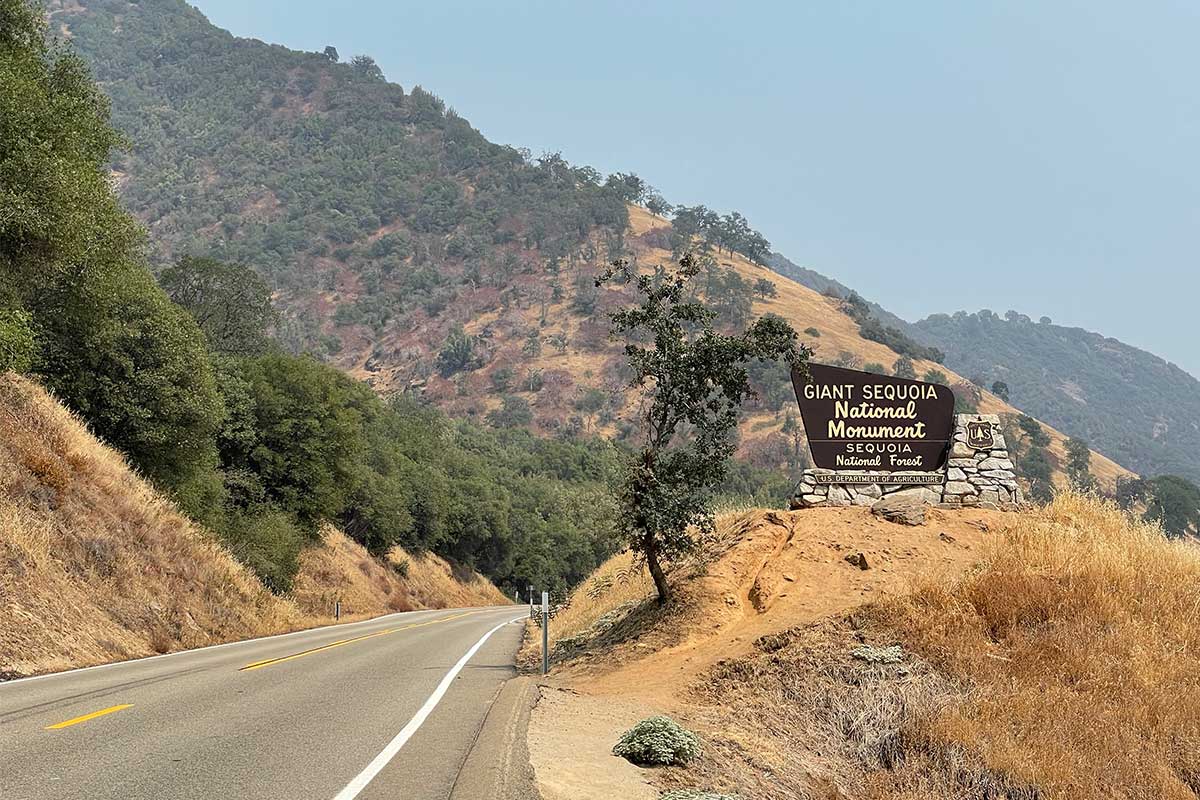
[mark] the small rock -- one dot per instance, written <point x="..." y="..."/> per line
<point x="859" y="560"/>
<point x="945" y="537"/>
<point x="904" y="510"/>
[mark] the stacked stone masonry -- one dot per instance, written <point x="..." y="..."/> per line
<point x="971" y="477"/>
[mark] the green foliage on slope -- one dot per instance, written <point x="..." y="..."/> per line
<point x="322" y="174"/>
<point x="260" y="446"/>
<point x="99" y="332"/>
<point x="1134" y="407"/>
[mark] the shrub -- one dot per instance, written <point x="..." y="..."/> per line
<point x="696" y="794"/>
<point x="16" y="340"/>
<point x="658" y="741"/>
<point x="813" y="332"/>
<point x="269" y="543"/>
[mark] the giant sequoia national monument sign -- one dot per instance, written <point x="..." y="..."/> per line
<point x="859" y="420"/>
<point x="872" y="435"/>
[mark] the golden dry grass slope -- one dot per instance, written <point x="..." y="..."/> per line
<point x="96" y="566"/>
<point x="1052" y="654"/>
<point x="574" y="352"/>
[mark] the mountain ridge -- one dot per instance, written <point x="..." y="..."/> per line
<point x="402" y="245"/>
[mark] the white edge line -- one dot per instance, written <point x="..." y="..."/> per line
<point x="380" y="761"/>
<point x="143" y="659"/>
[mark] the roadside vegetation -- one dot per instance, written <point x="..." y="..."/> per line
<point x="260" y="446"/>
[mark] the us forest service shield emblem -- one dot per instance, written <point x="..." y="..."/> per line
<point x="979" y="435"/>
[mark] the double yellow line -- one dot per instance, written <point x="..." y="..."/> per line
<point x="271" y="662"/>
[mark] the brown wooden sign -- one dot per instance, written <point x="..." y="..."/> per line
<point x="862" y="421"/>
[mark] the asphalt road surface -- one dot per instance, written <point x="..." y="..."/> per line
<point x="387" y="708"/>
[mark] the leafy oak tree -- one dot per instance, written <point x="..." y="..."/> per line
<point x="232" y="304"/>
<point x="694" y="380"/>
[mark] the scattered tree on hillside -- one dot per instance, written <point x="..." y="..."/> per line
<point x="1173" y="502"/>
<point x="1000" y="389"/>
<point x="1034" y="463"/>
<point x="514" y="412"/>
<point x="765" y="288"/>
<point x="966" y="397"/>
<point x="904" y="368"/>
<point x="365" y="65"/>
<point x="1079" y="463"/>
<point x="694" y="380"/>
<point x="847" y="360"/>
<point x="457" y="353"/>
<point x="1033" y="429"/>
<point x="331" y="53"/>
<point x="935" y="376"/>
<point x="875" y="368"/>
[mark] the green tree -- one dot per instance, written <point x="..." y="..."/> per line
<point x="308" y="438"/>
<point x="457" y="353"/>
<point x="875" y="368"/>
<point x="591" y="402"/>
<point x="108" y="342"/>
<point x="765" y="288"/>
<point x="935" y="376"/>
<point x="1033" y="431"/>
<point x="1000" y="389"/>
<point x="904" y="368"/>
<point x="1174" y="502"/>
<point x="1079" y="463"/>
<point x="514" y="412"/>
<point x="230" y="303"/>
<point x="694" y="381"/>
<point x="16" y="340"/>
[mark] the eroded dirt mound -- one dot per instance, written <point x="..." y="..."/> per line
<point x="764" y="572"/>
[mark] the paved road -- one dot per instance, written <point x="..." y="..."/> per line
<point x="367" y="710"/>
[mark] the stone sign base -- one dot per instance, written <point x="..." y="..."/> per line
<point x="973" y="476"/>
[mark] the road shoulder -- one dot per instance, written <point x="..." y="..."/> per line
<point x="498" y="765"/>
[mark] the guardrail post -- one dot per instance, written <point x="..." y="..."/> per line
<point x="545" y="632"/>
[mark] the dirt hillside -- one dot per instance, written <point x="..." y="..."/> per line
<point x="761" y="573"/>
<point x="96" y="566"/>
<point x="1049" y="654"/>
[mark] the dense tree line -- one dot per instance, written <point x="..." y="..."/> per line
<point x="730" y="233"/>
<point x="870" y="327"/>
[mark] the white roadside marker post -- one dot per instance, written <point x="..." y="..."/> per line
<point x="545" y="632"/>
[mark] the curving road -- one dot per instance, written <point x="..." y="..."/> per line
<point x="393" y="707"/>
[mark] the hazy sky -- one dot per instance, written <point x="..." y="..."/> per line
<point x="935" y="156"/>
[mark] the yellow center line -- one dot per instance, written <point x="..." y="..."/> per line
<point x="86" y="717"/>
<point x="272" y="661"/>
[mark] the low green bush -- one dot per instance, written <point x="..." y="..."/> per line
<point x="658" y="741"/>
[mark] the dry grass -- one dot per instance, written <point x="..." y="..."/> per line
<point x="342" y="570"/>
<point x="1081" y="640"/>
<point x="1066" y="666"/>
<point x="617" y="583"/>
<point x="803" y="307"/>
<point x="434" y="582"/>
<point x="96" y="566"/>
